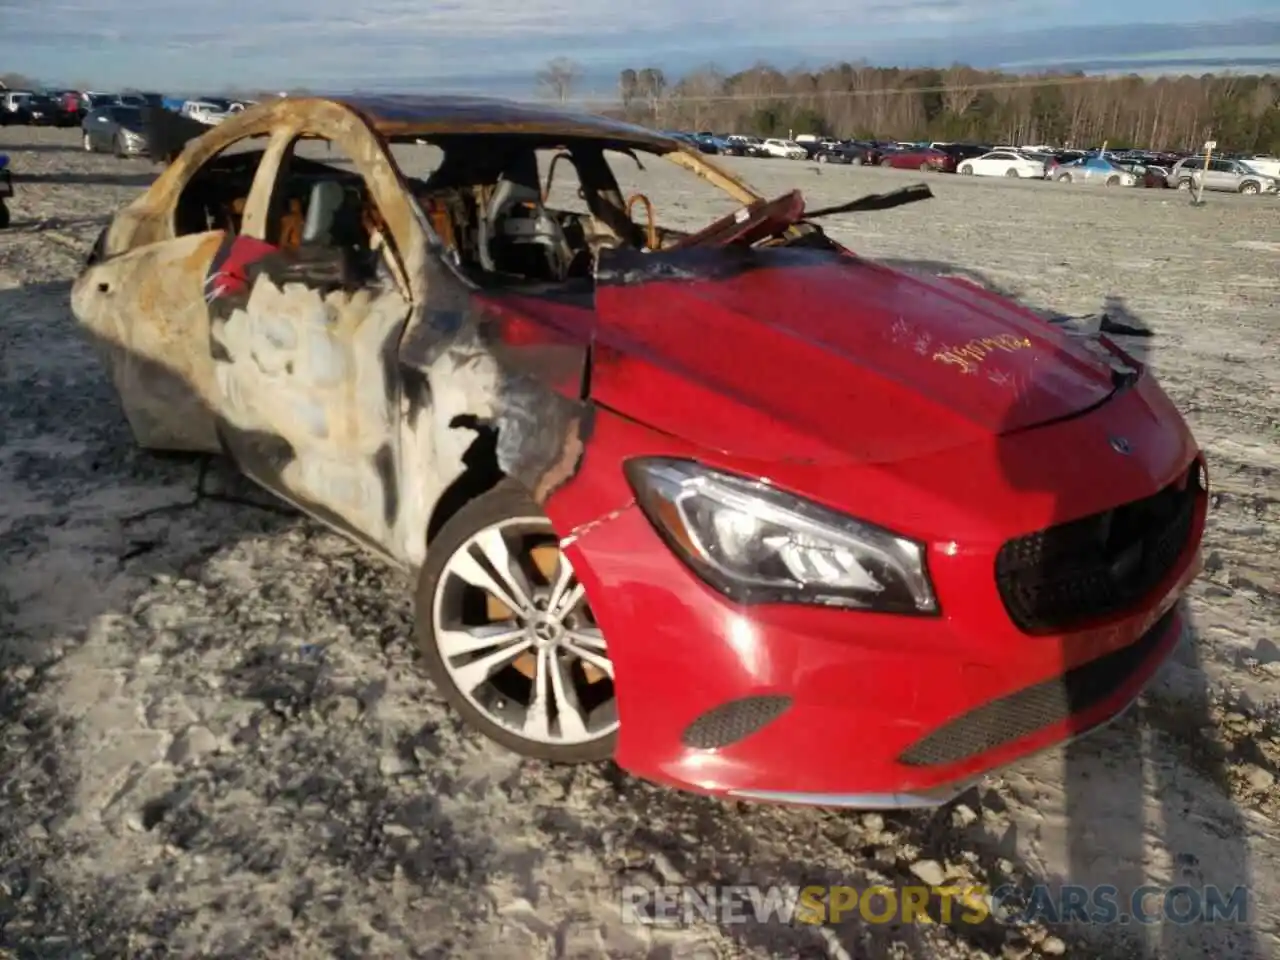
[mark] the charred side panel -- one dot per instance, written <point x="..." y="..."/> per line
<point x="302" y="362"/>
<point x="145" y="311"/>
<point x="476" y="361"/>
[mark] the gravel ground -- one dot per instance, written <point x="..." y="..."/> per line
<point x="214" y="741"/>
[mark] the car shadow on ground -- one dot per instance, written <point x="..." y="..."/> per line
<point x="693" y="838"/>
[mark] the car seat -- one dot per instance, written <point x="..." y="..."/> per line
<point x="517" y="233"/>
<point x="327" y="198"/>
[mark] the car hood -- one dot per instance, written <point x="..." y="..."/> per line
<point x="814" y="355"/>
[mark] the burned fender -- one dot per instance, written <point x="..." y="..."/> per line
<point x="511" y="366"/>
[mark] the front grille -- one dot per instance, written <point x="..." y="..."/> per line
<point x="1034" y="708"/>
<point x="1100" y="565"/>
<point x="732" y="721"/>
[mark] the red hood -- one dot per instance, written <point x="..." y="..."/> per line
<point x="801" y="354"/>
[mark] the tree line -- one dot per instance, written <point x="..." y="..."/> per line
<point x="956" y="103"/>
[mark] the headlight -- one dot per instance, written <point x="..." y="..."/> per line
<point x="757" y="544"/>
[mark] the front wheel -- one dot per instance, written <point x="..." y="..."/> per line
<point x="87" y="143"/>
<point x="1064" y="178"/>
<point x="1184" y="183"/>
<point x="886" y="163"/>
<point x="1012" y="172"/>
<point x="1112" y="182"/>
<point x="967" y="170"/>
<point x="1248" y="188"/>
<point x="119" y="150"/>
<point x="822" y="158"/>
<point x="508" y="636"/>
<point x="855" y="162"/>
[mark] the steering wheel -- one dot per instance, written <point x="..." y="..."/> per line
<point x="651" y="230"/>
<point x="748" y="225"/>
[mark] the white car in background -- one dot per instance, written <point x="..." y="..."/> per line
<point x="1269" y="166"/>
<point x="1002" y="163"/>
<point x="787" y="149"/>
<point x="210" y="112"/>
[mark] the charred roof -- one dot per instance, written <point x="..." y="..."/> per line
<point x="399" y="115"/>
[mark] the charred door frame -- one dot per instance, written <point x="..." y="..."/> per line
<point x="346" y="129"/>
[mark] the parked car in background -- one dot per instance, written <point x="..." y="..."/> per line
<point x="1149" y="175"/>
<point x="142" y="100"/>
<point x="210" y="111"/>
<point x="751" y="146"/>
<point x="787" y="149"/>
<point x="1095" y="171"/>
<point x="42" y="110"/>
<point x="116" y="129"/>
<point x="1060" y="158"/>
<point x="93" y="99"/>
<point x="66" y="108"/>
<point x="1227" y="176"/>
<point x="919" y="158"/>
<point x="1270" y="166"/>
<point x="13" y="106"/>
<point x="961" y="151"/>
<point x="850" y="152"/>
<point x="1002" y="163"/>
<point x="708" y="142"/>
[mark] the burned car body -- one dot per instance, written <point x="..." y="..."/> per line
<point x="656" y="511"/>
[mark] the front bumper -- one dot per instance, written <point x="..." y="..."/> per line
<point x="807" y="705"/>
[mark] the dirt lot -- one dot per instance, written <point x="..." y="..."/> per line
<point x="214" y="742"/>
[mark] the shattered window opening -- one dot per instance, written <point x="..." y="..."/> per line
<point x="324" y="219"/>
<point x="214" y="197"/>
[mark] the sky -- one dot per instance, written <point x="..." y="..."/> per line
<point x="499" y="45"/>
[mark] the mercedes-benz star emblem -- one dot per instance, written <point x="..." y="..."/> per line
<point x="1121" y="446"/>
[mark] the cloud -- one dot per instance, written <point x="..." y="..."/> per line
<point x="340" y="43"/>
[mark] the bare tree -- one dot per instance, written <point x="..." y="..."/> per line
<point x="628" y="87"/>
<point x="1069" y="109"/>
<point x="558" y="77"/>
<point x="960" y="91"/>
<point x="17" y="81"/>
<point x="652" y="85"/>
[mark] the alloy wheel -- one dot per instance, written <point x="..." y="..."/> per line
<point x="517" y="639"/>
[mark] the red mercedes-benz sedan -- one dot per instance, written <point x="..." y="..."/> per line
<point x="734" y="506"/>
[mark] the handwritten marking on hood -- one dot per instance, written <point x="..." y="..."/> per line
<point x="969" y="356"/>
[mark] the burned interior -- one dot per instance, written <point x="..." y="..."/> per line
<point x="357" y="349"/>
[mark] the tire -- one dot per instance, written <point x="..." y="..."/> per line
<point x="886" y="163"/>
<point x="821" y="158"/>
<point x="855" y="161"/>
<point x="926" y="168"/>
<point x="508" y="521"/>
<point x="1012" y="172"/>
<point x="1112" y="182"/>
<point x="87" y="142"/>
<point x="1249" y="187"/>
<point x="1064" y="178"/>
<point x="966" y="169"/>
<point x="118" y="147"/>
<point x="1184" y="183"/>
<point x="4" y="215"/>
